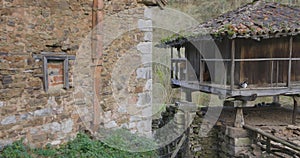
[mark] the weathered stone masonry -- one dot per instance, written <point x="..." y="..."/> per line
<point x="28" y="28"/>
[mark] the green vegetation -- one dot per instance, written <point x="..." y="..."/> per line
<point x="82" y="146"/>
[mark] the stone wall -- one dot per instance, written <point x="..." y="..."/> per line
<point x="223" y="140"/>
<point x="28" y="28"/>
<point x="127" y="71"/>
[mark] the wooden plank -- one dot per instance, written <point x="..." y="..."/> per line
<point x="290" y="62"/>
<point x="253" y="59"/>
<point x="273" y="138"/>
<point x="45" y="70"/>
<point x="232" y="64"/>
<point x="178" y="146"/>
<point x="277" y="73"/>
<point x="66" y="73"/>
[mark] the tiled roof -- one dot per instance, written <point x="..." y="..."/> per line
<point x="255" y="20"/>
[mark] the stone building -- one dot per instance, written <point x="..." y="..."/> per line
<point x="55" y="74"/>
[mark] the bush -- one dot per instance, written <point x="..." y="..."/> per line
<point x="82" y="146"/>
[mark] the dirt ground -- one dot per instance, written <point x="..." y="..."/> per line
<point x="274" y="120"/>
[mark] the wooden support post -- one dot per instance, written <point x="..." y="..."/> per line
<point x="290" y="63"/>
<point x="277" y="73"/>
<point x="201" y="69"/>
<point x="272" y="73"/>
<point x="188" y="95"/>
<point x="178" y="51"/>
<point x="232" y="64"/>
<point x="276" y="99"/>
<point x="239" y="118"/>
<point x="177" y="77"/>
<point x="171" y="68"/>
<point x="295" y="110"/>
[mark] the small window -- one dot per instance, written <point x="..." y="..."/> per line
<point x="55" y="69"/>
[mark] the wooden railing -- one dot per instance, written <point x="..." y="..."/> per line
<point x="179" y="69"/>
<point x="264" y="140"/>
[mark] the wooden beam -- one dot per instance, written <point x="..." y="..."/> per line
<point x="232" y="64"/>
<point x="272" y="137"/>
<point x="182" y="140"/>
<point x="253" y="59"/>
<point x="290" y="62"/>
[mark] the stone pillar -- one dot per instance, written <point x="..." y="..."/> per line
<point x="145" y="73"/>
<point x="236" y="141"/>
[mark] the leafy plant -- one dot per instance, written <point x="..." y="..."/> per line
<point x="82" y="146"/>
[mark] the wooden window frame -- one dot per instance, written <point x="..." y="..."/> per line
<point x="53" y="56"/>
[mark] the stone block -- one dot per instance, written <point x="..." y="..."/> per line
<point x="9" y="120"/>
<point x="56" y="142"/>
<point x="144" y="99"/>
<point x="132" y="125"/>
<point x="43" y="112"/>
<point x="2" y="104"/>
<point x="144" y="73"/>
<point x="145" y="47"/>
<point x="235" y="132"/>
<point x="240" y="142"/>
<point x="148" y="13"/>
<point x="67" y="126"/>
<point x="111" y="124"/>
<point x="145" y="25"/>
<point x="235" y="151"/>
<point x="4" y="143"/>
<point x="55" y="127"/>
<point x="135" y="118"/>
<point x="25" y="116"/>
<point x="148" y="36"/>
<point x="39" y="137"/>
<point x="6" y="80"/>
<point x="144" y="126"/>
<point x="146" y="58"/>
<point x="148" y="85"/>
<point x="147" y="112"/>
